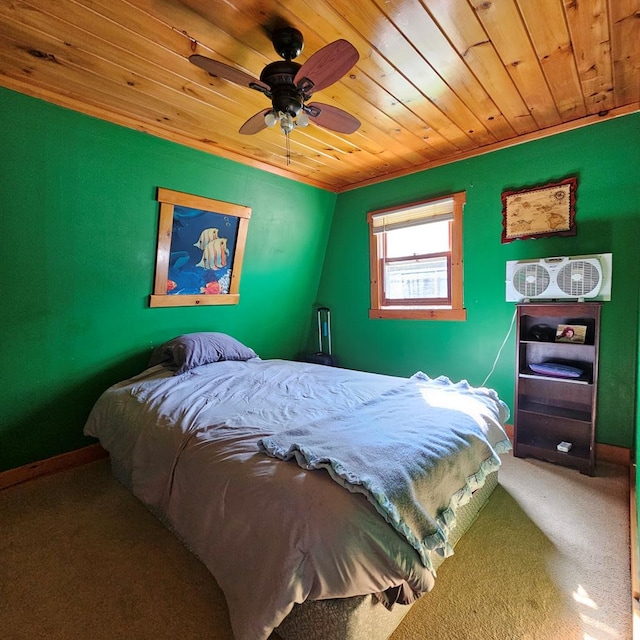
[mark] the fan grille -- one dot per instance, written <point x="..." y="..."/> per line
<point x="579" y="278"/>
<point x="531" y="280"/>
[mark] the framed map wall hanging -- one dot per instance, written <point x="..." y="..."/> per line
<point x="540" y="211"/>
<point x="200" y="250"/>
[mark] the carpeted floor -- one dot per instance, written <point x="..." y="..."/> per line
<point x="547" y="559"/>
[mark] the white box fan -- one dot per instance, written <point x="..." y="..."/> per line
<point x="560" y="278"/>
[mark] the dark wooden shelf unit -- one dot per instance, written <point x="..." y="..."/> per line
<point x="549" y="409"/>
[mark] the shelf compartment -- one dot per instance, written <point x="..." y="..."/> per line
<point x="545" y="443"/>
<point x="555" y="392"/>
<point x="550" y="431"/>
<point x="549" y="316"/>
<point x="555" y="411"/>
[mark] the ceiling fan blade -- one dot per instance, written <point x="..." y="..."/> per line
<point x="331" y="117"/>
<point x="326" y="66"/>
<point x="221" y="70"/>
<point x="255" y="123"/>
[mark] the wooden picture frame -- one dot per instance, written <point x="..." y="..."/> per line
<point x="200" y="250"/>
<point x="539" y="212"/>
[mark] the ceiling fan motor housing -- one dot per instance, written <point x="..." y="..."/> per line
<point x="285" y="96"/>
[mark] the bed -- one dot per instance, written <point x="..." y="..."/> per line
<point x="321" y="499"/>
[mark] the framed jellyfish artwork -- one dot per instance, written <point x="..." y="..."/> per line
<point x="200" y="250"/>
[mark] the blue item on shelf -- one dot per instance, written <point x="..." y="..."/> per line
<point x="557" y="370"/>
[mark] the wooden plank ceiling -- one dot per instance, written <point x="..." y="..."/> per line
<point x="437" y="80"/>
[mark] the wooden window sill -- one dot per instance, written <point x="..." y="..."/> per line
<point x="419" y="314"/>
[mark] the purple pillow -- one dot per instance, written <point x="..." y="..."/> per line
<point x="194" y="349"/>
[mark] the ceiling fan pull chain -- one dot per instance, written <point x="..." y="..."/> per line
<point x="286" y="135"/>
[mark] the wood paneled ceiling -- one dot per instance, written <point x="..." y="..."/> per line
<point x="437" y="80"/>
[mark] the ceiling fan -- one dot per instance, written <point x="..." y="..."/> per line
<point x="290" y="85"/>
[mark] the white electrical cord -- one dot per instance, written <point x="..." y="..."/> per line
<point x="495" y="362"/>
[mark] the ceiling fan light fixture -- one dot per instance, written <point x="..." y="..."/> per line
<point x="270" y="119"/>
<point x="302" y="120"/>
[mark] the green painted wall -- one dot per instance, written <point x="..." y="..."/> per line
<point x="77" y="256"/>
<point x="605" y="157"/>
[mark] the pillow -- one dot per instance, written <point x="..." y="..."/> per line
<point x="194" y="349"/>
<point x="557" y="370"/>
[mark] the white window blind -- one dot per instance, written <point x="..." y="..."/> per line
<point x="413" y="215"/>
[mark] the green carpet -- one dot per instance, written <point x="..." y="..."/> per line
<point x="548" y="558"/>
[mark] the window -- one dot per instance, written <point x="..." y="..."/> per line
<point x="416" y="260"/>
